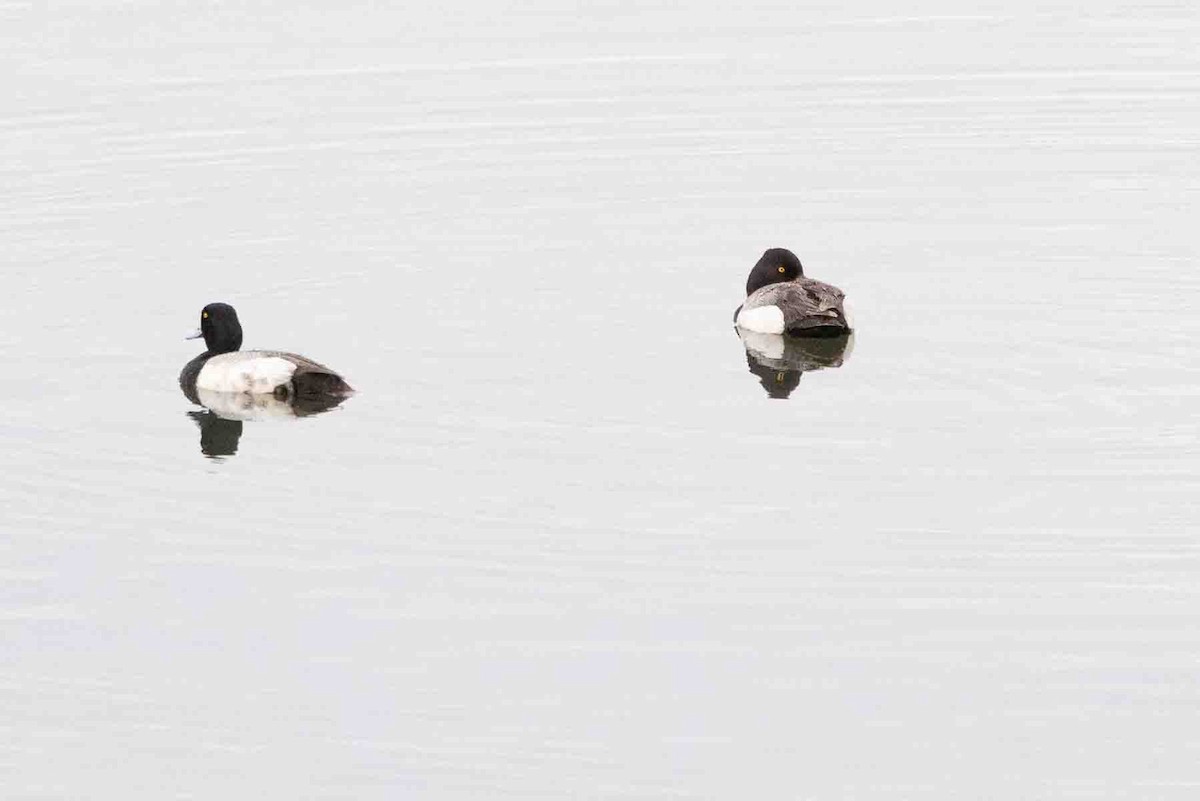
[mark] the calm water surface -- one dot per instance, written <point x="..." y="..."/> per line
<point x="564" y="543"/>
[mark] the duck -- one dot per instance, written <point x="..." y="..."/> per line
<point x="781" y="300"/>
<point x="225" y="368"/>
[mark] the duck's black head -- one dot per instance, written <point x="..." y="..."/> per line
<point x="220" y="328"/>
<point x="776" y="266"/>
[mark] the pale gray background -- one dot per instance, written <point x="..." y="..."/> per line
<point x="562" y="545"/>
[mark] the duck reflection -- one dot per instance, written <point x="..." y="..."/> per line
<point x="224" y="413"/>
<point x="780" y="360"/>
<point x="218" y="436"/>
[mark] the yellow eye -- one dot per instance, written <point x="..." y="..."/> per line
<point x="782" y="269"/>
<point x="205" y="314"/>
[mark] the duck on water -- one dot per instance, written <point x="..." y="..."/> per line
<point x="781" y="300"/>
<point x="225" y="368"/>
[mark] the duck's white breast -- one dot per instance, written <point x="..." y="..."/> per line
<point x="245" y="371"/>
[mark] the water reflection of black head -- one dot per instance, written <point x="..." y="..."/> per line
<point x="780" y="361"/>
<point x="218" y="436"/>
<point x="221" y="421"/>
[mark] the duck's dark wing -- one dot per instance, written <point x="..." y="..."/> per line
<point x="313" y="378"/>
<point x="809" y="307"/>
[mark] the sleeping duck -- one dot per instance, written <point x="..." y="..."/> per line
<point x="223" y="368"/>
<point x="780" y="300"/>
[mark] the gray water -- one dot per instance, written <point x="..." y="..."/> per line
<point x="561" y="543"/>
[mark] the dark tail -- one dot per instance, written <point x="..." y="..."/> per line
<point x="315" y="384"/>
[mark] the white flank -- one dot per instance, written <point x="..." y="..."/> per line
<point x="846" y="314"/>
<point x="763" y="319"/>
<point x="249" y="372"/>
